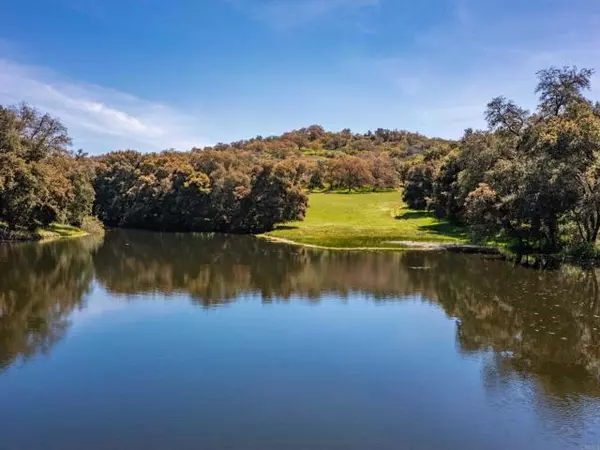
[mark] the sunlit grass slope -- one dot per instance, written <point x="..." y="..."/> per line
<point x="366" y="220"/>
<point x="53" y="231"/>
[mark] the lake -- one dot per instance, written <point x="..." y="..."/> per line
<point x="175" y="341"/>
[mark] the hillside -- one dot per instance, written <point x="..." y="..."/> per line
<point x="315" y="140"/>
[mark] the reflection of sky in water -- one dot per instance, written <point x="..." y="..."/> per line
<point x="350" y="370"/>
<point x="97" y="304"/>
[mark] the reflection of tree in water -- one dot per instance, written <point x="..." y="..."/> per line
<point x="216" y="269"/>
<point x="40" y="285"/>
<point x="543" y="323"/>
<point x="538" y="332"/>
<point x="212" y="269"/>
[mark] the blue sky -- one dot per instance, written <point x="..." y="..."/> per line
<point x="154" y="74"/>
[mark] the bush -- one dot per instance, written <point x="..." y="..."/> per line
<point x="91" y="225"/>
<point x="583" y="250"/>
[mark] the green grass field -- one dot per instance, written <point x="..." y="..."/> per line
<point x="366" y="220"/>
<point x="62" y="231"/>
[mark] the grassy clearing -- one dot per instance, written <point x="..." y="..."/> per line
<point x="366" y="220"/>
<point x="60" y="231"/>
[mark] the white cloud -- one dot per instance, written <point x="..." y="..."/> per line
<point x="285" y="14"/>
<point x="99" y="119"/>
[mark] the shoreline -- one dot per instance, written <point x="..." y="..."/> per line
<point x="41" y="236"/>
<point x="541" y="260"/>
<point x="424" y="246"/>
<point x="544" y="261"/>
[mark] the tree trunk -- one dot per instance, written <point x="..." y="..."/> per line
<point x="553" y="233"/>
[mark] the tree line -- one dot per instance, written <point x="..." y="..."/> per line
<point x="343" y="161"/>
<point x="222" y="191"/>
<point x="531" y="178"/>
<point x="42" y="181"/>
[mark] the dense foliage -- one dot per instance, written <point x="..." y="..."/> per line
<point x="315" y="140"/>
<point x="343" y="160"/>
<point x="222" y="191"/>
<point x="243" y="187"/>
<point x="532" y="178"/>
<point x="41" y="181"/>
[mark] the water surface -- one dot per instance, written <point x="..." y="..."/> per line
<point x="154" y="341"/>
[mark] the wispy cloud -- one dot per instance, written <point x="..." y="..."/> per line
<point x="99" y="119"/>
<point x="286" y="14"/>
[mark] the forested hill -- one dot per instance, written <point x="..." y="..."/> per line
<point x="315" y="140"/>
<point x="244" y="187"/>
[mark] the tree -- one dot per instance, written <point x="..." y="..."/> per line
<point x="447" y="201"/>
<point x="383" y="172"/>
<point x="318" y="174"/>
<point x="481" y="211"/>
<point x="299" y="138"/>
<point x="41" y="181"/>
<point x="418" y="186"/>
<point x="349" y="172"/>
<point x="31" y="134"/>
<point x="559" y="88"/>
<point x="275" y="197"/>
<point x="505" y="116"/>
<point x="20" y="195"/>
